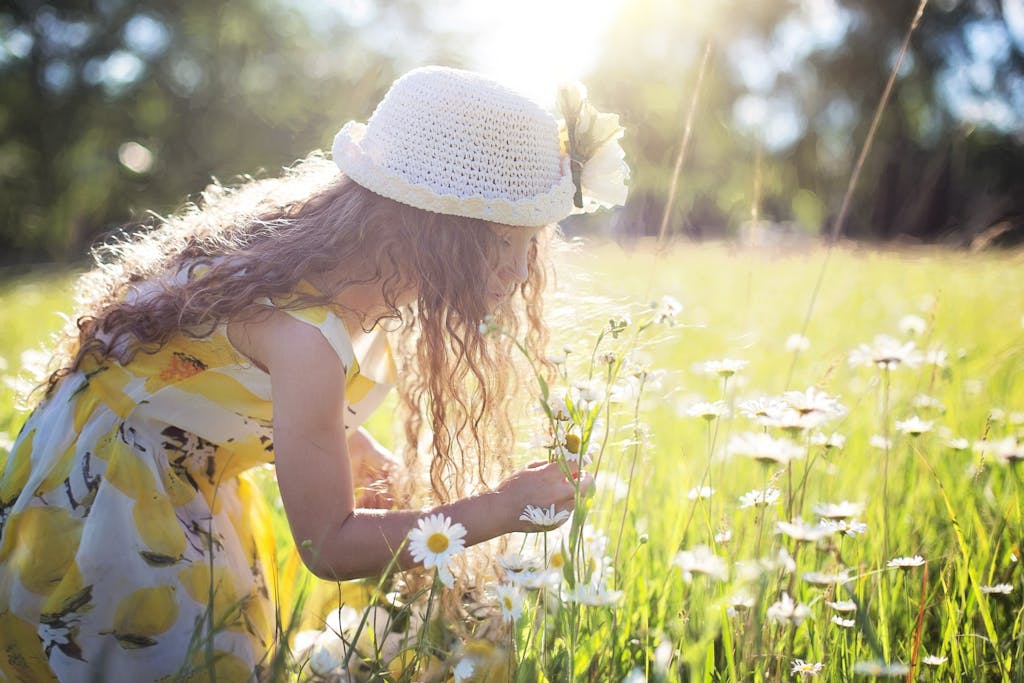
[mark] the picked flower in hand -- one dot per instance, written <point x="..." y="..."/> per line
<point x="591" y="140"/>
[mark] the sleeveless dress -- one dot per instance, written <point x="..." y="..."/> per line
<point x="130" y="529"/>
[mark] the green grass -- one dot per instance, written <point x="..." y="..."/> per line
<point x="958" y="509"/>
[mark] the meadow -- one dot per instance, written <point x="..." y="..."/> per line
<point x="808" y="467"/>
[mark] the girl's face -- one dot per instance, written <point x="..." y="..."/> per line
<point x="511" y="266"/>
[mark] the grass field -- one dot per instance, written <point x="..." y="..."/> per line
<point x="915" y="572"/>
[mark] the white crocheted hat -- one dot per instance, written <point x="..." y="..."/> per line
<point x="455" y="142"/>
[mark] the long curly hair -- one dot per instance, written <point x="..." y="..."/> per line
<point x="263" y="237"/>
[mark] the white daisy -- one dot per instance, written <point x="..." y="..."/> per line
<point x="881" y="669"/>
<point x="912" y="325"/>
<point x="666" y="310"/>
<point x="700" y="493"/>
<point x="801" y="531"/>
<point x="827" y="578"/>
<point x="708" y="411"/>
<point x="536" y="580"/>
<point x="850" y="527"/>
<point x="759" y="498"/>
<point x="926" y="402"/>
<point x="998" y="589"/>
<point x="785" y="611"/>
<point x="842" y="605"/>
<point x="701" y="560"/>
<point x="880" y="442"/>
<point x="886" y="352"/>
<point x="843" y="623"/>
<point x="933" y="660"/>
<point x="914" y="426"/>
<point x="510" y="601"/>
<point x="559" y="407"/>
<point x="764" y="448"/>
<point x="760" y="408"/>
<point x="958" y="444"/>
<point x="905" y="562"/>
<point x="834" y="440"/>
<point x="595" y="596"/>
<point x="814" y="401"/>
<point x="517" y="562"/>
<point x="727" y="367"/>
<point x="544" y="518"/>
<point x="435" y="540"/>
<point x="807" y="669"/>
<point x="797" y="342"/>
<point x="843" y="510"/>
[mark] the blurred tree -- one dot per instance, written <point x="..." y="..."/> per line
<point x="112" y="107"/>
<point x="786" y="102"/>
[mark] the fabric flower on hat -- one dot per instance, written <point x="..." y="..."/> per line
<point x="597" y="162"/>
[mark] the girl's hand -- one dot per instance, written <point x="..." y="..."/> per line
<point x="541" y="484"/>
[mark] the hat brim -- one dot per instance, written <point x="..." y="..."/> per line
<point x="357" y="164"/>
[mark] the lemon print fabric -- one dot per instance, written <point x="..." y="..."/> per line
<point x="133" y="547"/>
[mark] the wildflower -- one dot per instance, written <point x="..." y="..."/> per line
<point x="588" y="391"/>
<point x="700" y="493"/>
<point x="887" y="353"/>
<point x="835" y="440"/>
<point x="1007" y="450"/>
<point x="827" y="578"/>
<point x="723" y="537"/>
<point x="708" y="411"/>
<point x="434" y="541"/>
<point x="926" y="402"/>
<point x="850" y="527"/>
<point x="814" y="401"/>
<point x="727" y="367"/>
<point x="764" y="448"/>
<point x="914" y="426"/>
<point x="843" y="623"/>
<point x="666" y="310"/>
<point x="741" y="600"/>
<point x="881" y="669"/>
<point x="617" y="324"/>
<point x="998" y="589"/>
<point x="595" y="596"/>
<point x="807" y="669"/>
<point x="510" y="601"/>
<point x="797" y="342"/>
<point x="843" y="510"/>
<point x="544" y="518"/>
<point x="912" y="325"/>
<point x="936" y="357"/>
<point x="933" y="660"/>
<point x="327" y="654"/>
<point x="802" y="531"/>
<point x="517" y="562"/>
<point x="761" y="408"/>
<point x="842" y="605"/>
<point x="536" y="580"/>
<point x="759" y="498"/>
<point x="559" y="408"/>
<point x="880" y="442"/>
<point x="752" y="571"/>
<point x="701" y="560"/>
<point x="785" y="611"/>
<point x="958" y="444"/>
<point x="906" y="562"/>
<point x="463" y="670"/>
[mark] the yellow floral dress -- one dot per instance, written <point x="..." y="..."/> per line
<point x="130" y="530"/>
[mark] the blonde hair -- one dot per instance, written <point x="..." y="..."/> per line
<point x="261" y="238"/>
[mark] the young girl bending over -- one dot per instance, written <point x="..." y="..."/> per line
<point x="250" y="331"/>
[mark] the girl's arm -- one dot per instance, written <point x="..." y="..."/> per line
<point x="335" y="539"/>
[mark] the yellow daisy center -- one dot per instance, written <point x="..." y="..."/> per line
<point x="508" y="603"/>
<point x="437" y="542"/>
<point x="557" y="560"/>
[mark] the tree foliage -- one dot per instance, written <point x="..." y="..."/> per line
<point x="110" y="108"/>
<point x="785" y="104"/>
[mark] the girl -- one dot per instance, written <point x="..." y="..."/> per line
<point x="251" y="331"/>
